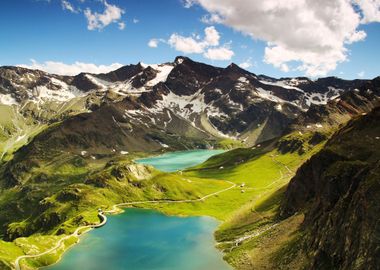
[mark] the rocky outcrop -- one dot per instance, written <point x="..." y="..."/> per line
<point x="338" y="189"/>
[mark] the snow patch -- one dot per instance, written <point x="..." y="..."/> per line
<point x="101" y="83"/>
<point x="243" y="80"/>
<point x="162" y="75"/>
<point x="7" y="99"/>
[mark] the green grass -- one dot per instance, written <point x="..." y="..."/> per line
<point x="8" y="253"/>
<point x="229" y="144"/>
<point x="15" y="131"/>
<point x="52" y="257"/>
<point x="72" y="188"/>
<point x="65" y="195"/>
<point x="260" y="173"/>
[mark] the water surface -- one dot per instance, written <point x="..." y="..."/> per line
<point x="175" y="161"/>
<point x="148" y="240"/>
<point x="142" y="239"/>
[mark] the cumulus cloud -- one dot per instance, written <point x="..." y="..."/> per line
<point x="111" y="14"/>
<point x="208" y="46"/>
<point x="306" y="35"/>
<point x="153" y="43"/>
<point x="70" y="69"/>
<point x="212" y="36"/>
<point x="66" y="5"/>
<point x="121" y="25"/>
<point x="186" y="44"/>
<point x="246" y="64"/>
<point x="357" y="36"/>
<point x="211" y="19"/>
<point x="188" y="3"/>
<point x="370" y="10"/>
<point x="221" y="54"/>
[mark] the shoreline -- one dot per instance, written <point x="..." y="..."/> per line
<point x="176" y="152"/>
<point x="76" y="234"/>
<point x="115" y="209"/>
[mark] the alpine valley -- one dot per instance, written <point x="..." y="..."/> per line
<point x="297" y="186"/>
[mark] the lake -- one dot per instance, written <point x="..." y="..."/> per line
<point x="140" y="239"/>
<point x="175" y="161"/>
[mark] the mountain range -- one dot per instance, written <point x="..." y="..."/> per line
<point x="184" y="98"/>
<point x="68" y="144"/>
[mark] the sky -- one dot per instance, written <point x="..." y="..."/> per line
<point x="272" y="37"/>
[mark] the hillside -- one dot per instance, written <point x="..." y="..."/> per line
<point x="68" y="147"/>
<point x="337" y="191"/>
<point x="325" y="218"/>
<point x="184" y="98"/>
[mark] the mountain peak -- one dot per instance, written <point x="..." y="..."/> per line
<point x="180" y="59"/>
<point x="235" y="67"/>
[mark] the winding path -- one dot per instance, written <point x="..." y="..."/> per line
<point x="115" y="207"/>
<point x="103" y="219"/>
<point x="238" y="241"/>
<point x="59" y="243"/>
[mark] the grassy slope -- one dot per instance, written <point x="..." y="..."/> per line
<point x="263" y="170"/>
<point x="76" y="203"/>
<point x="15" y="131"/>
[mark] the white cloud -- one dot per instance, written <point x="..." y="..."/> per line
<point x="221" y="54"/>
<point x="211" y="19"/>
<point x="370" y="10"/>
<point x="121" y="25"/>
<point x="361" y="74"/>
<point x="153" y="43"/>
<point x="66" y="5"/>
<point x="212" y="36"/>
<point x="186" y="44"/>
<point x="111" y="14"/>
<point x="188" y="3"/>
<point x="135" y="20"/>
<point x="207" y="45"/>
<point x="246" y="64"/>
<point x="70" y="69"/>
<point x="309" y="35"/>
<point x="355" y="37"/>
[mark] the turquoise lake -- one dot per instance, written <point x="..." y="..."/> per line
<point x="140" y="239"/>
<point x="175" y="161"/>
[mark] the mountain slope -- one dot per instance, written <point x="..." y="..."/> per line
<point x="338" y="190"/>
<point x="68" y="144"/>
<point x="204" y="100"/>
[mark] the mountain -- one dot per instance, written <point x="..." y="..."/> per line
<point x="319" y="210"/>
<point x="68" y="145"/>
<point x="337" y="189"/>
<point x="186" y="98"/>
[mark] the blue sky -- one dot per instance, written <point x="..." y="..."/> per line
<point x="57" y="34"/>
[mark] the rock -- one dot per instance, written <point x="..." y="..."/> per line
<point x="338" y="190"/>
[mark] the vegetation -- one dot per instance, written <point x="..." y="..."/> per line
<point x="64" y="193"/>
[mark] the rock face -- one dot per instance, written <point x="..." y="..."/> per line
<point x="187" y="96"/>
<point x="339" y="191"/>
